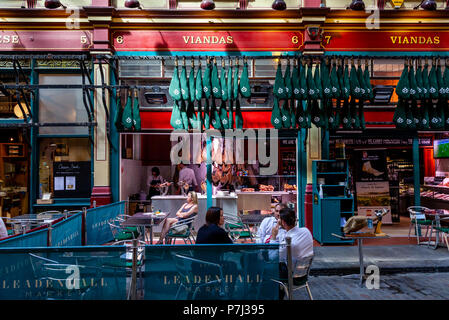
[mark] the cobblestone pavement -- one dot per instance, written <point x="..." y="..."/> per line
<point x="409" y="286"/>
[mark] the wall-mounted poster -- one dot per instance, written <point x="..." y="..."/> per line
<point x="372" y="185"/>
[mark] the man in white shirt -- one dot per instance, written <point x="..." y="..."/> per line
<point x="187" y="175"/>
<point x="264" y="231"/>
<point x="301" y="245"/>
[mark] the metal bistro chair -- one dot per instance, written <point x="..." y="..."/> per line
<point x="236" y="228"/>
<point x="188" y="268"/>
<point x="182" y="230"/>
<point x="418" y="219"/>
<point x="444" y="231"/>
<point x="120" y="232"/>
<point x="300" y="274"/>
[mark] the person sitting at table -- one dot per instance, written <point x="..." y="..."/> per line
<point x="187" y="210"/>
<point x="264" y="231"/>
<point x="211" y="232"/>
<point x="301" y="245"/>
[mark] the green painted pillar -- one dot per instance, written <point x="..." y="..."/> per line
<point x="301" y="175"/>
<point x="324" y="144"/>
<point x="416" y="167"/>
<point x="209" y="173"/>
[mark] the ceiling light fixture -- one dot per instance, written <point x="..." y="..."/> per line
<point x="132" y="4"/>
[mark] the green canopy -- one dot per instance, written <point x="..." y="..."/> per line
<point x="409" y="119"/>
<point x="292" y="113"/>
<point x="229" y="84"/>
<point x="413" y="84"/>
<point x="433" y="83"/>
<point x="346" y="92"/>
<point x="303" y="90"/>
<point x="285" y="113"/>
<point x="446" y="80"/>
<point x="276" y="117"/>
<point x="312" y="93"/>
<point x="337" y="116"/>
<point x="288" y="81"/>
<point x="224" y="115"/>
<point x="425" y="82"/>
<point x="301" y="118"/>
<point x="330" y="115"/>
<point x="441" y="113"/>
<point x="215" y="116"/>
<point x="317" y="80"/>
<point x="175" y="89"/>
<point x="355" y="118"/>
<point x="244" y="87"/>
<point x="346" y="115"/>
<point x="231" y="115"/>
<point x="184" y="117"/>
<point x="127" y="116"/>
<point x="308" y="113"/>
<point x="403" y="86"/>
<point x="198" y="84"/>
<point x="295" y="83"/>
<point x="230" y="96"/>
<point x="399" y="117"/>
<point x="279" y="84"/>
<point x="184" y="84"/>
<point x="207" y="86"/>
<point x="368" y="86"/>
<point x="136" y="112"/>
<point x="207" y="114"/>
<point x="354" y="83"/>
<point x="119" y="112"/>
<point x="416" y="114"/>
<point x="335" y="83"/>
<point x="317" y="113"/>
<point x="362" y="115"/>
<point x="326" y="81"/>
<point x="363" y="92"/>
<point x="194" y="121"/>
<point x="192" y="89"/>
<point x="341" y="80"/>
<point x="200" y="117"/>
<point x="224" y="84"/>
<point x="215" y="81"/>
<point x="238" y="116"/>
<point x="419" y="83"/>
<point x="176" y="119"/>
<point x="236" y="81"/>
<point x="440" y="81"/>
<point x="425" y="121"/>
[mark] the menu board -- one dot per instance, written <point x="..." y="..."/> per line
<point x="72" y="179"/>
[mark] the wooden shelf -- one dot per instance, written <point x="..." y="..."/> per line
<point x="12" y="150"/>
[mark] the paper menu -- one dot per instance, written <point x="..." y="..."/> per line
<point x="70" y="183"/>
<point x="59" y="183"/>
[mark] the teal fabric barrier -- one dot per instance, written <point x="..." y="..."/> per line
<point x="98" y="230"/>
<point x="67" y="232"/>
<point x="211" y="272"/>
<point x="29" y="240"/>
<point x="72" y="273"/>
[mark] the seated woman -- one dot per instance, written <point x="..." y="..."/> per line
<point x="211" y="232"/>
<point x="187" y="210"/>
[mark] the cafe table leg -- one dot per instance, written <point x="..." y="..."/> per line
<point x="360" y="243"/>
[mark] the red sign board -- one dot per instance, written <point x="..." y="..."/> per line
<point x="39" y="40"/>
<point x="149" y="40"/>
<point x="377" y="40"/>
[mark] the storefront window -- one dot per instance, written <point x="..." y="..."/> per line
<point x="64" y="167"/>
<point x="61" y="105"/>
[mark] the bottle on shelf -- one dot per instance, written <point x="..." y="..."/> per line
<point x="321" y="192"/>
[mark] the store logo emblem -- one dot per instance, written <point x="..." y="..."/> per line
<point x="373" y="278"/>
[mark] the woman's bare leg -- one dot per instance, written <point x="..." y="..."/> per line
<point x="166" y="226"/>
